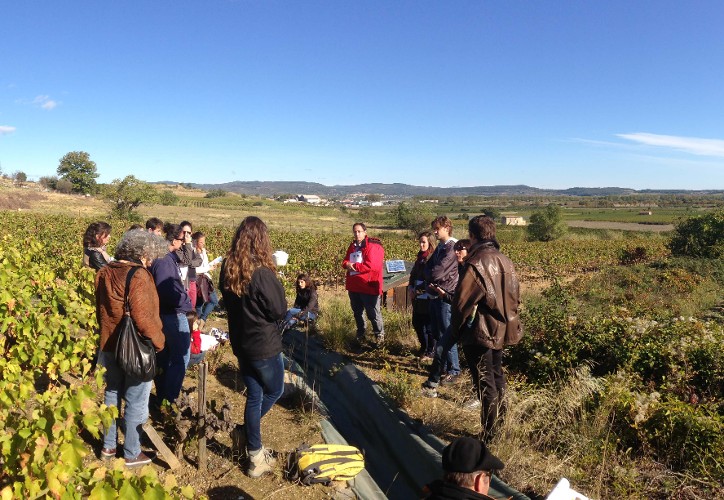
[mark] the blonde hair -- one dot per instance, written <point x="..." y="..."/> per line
<point x="251" y="248"/>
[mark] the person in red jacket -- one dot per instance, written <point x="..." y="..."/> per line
<point x="363" y="262"/>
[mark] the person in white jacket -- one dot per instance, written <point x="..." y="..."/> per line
<point x="207" y="299"/>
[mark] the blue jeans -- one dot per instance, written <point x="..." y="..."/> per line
<point x="370" y="304"/>
<point x="264" y="381"/>
<point x="203" y="310"/>
<point x="291" y="320"/>
<point x="174" y="359"/>
<point x="135" y="393"/>
<point x="446" y="350"/>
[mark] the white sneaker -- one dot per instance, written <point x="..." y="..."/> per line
<point x="261" y="463"/>
<point x="472" y="404"/>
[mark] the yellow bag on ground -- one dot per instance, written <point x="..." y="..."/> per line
<point x="323" y="463"/>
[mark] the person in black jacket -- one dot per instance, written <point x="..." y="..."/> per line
<point x="255" y="302"/>
<point x="306" y="305"/>
<point x="95" y="240"/>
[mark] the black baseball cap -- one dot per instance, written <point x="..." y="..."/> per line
<point x="466" y="454"/>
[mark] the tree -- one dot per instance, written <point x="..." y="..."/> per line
<point x="20" y="177"/>
<point x="215" y="193"/>
<point x="64" y="186"/>
<point x="48" y="181"/>
<point x="128" y="194"/>
<point x="168" y="198"/>
<point x="700" y="236"/>
<point x="78" y="168"/>
<point x="415" y="217"/>
<point x="491" y="212"/>
<point x="547" y="224"/>
<point x="372" y="198"/>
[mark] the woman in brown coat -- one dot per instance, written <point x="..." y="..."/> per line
<point x="137" y="249"/>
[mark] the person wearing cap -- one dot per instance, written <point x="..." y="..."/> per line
<point x="468" y="466"/>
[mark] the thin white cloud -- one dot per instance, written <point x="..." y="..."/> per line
<point x="6" y="129"/>
<point x="45" y="102"/>
<point x="692" y="145"/>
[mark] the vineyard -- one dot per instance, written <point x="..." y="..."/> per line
<point x="661" y="374"/>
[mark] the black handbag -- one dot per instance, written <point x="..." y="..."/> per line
<point x="135" y="354"/>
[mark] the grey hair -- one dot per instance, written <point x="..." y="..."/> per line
<point x="138" y="243"/>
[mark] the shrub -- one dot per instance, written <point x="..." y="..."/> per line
<point x="48" y="181"/>
<point x="687" y="437"/>
<point x="629" y="256"/>
<point x="216" y="193"/>
<point x="399" y="385"/>
<point x="64" y="186"/>
<point x="700" y="236"/>
<point x="168" y="198"/>
<point x="547" y="224"/>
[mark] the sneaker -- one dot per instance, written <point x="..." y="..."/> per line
<point x="429" y="384"/>
<point x="238" y="439"/>
<point x="429" y="392"/>
<point x="141" y="459"/>
<point x="108" y="453"/>
<point x="472" y="404"/>
<point x="450" y="379"/>
<point x="261" y="463"/>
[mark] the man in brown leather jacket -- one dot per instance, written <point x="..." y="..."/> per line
<point x="485" y="315"/>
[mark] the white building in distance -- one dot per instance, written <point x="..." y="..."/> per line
<point x="512" y="220"/>
<point x="309" y="198"/>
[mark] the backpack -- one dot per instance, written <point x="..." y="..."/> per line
<point x="324" y="463"/>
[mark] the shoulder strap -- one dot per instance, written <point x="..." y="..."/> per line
<point x="129" y="276"/>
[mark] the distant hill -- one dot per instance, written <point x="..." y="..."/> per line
<point x="398" y="190"/>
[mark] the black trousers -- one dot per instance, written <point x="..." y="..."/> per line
<point x="486" y="369"/>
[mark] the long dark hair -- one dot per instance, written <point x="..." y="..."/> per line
<point x="94" y="233"/>
<point x="309" y="285"/>
<point x="251" y="248"/>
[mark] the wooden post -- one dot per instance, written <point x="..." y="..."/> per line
<point x="203" y="371"/>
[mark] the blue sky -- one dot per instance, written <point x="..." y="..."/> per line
<point x="552" y="94"/>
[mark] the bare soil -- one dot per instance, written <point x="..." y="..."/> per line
<point x="285" y="427"/>
<point x="621" y="226"/>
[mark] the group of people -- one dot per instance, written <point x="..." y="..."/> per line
<point x="465" y="291"/>
<point x="161" y="300"/>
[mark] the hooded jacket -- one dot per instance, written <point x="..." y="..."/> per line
<point x="367" y="274"/>
<point x="489" y="291"/>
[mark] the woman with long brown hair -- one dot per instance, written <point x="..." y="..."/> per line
<point x="421" y="319"/>
<point x="255" y="302"/>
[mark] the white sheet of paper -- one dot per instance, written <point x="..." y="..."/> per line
<point x="355" y="257"/>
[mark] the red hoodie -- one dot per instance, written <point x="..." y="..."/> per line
<point x="369" y="257"/>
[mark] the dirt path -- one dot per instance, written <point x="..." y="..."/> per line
<point x="621" y="226"/>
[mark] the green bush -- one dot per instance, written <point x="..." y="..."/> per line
<point x="399" y="385"/>
<point x="687" y="437"/>
<point x="168" y="198"/>
<point x="547" y="224"/>
<point x="701" y="236"/>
